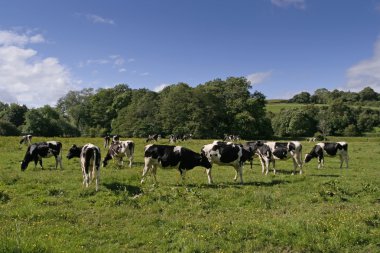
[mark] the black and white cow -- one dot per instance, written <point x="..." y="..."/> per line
<point x="166" y="156"/>
<point x="26" y="139"/>
<point x="90" y="158"/>
<point x="285" y="151"/>
<point x="225" y="153"/>
<point x="118" y="150"/>
<point x="264" y="153"/>
<point x="37" y="151"/>
<point x="330" y="149"/>
<point x="107" y="140"/>
<point x="153" y="137"/>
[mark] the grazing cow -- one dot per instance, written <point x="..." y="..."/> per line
<point x="26" y="139"/>
<point x="177" y="157"/>
<point x="118" y="150"/>
<point x="153" y="137"/>
<point x="330" y="149"/>
<point x="224" y="153"/>
<point x="107" y="140"/>
<point x="90" y="158"/>
<point x="286" y="150"/>
<point x="37" y="151"/>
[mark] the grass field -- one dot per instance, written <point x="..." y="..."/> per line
<point x="327" y="210"/>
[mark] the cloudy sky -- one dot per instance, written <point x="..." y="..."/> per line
<point x="282" y="46"/>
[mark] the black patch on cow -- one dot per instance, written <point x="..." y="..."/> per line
<point x="291" y="146"/>
<point x="280" y="152"/>
<point x="332" y="148"/>
<point x="228" y="153"/>
<point x="316" y="151"/>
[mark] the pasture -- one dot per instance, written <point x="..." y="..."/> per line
<point x="326" y="210"/>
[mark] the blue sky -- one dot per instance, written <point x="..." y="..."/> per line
<point x="282" y="46"/>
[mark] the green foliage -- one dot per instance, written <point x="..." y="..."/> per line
<point x="8" y="129"/>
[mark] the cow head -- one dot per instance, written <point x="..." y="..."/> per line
<point x="74" y="152"/>
<point x="24" y="165"/>
<point x="308" y="157"/>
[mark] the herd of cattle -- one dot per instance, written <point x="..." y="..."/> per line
<point x="181" y="158"/>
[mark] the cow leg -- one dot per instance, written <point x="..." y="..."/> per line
<point x="341" y="161"/>
<point x="320" y="162"/>
<point x="40" y="161"/>
<point x="154" y="172"/>
<point x="147" y="166"/>
<point x="97" y="177"/>
<point x="183" y="175"/>
<point x="209" y="177"/>
<point x="130" y="161"/>
<point x="274" y="167"/>
<point x="239" y="170"/>
<point x="262" y="161"/>
<point x="346" y="159"/>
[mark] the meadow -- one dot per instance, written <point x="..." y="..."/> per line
<point x="326" y="210"/>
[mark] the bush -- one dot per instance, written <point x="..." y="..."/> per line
<point x="8" y="129"/>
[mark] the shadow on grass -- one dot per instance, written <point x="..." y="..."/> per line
<point x="236" y="185"/>
<point x="117" y="188"/>
<point x="324" y="175"/>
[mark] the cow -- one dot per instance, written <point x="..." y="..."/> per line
<point x="90" y="158"/>
<point x="115" y="138"/>
<point x="39" y="150"/>
<point x="107" y="140"/>
<point x="224" y="153"/>
<point x="166" y="156"/>
<point x="26" y="139"/>
<point x="264" y="153"/>
<point x="118" y="150"/>
<point x="285" y="151"/>
<point x="330" y="149"/>
<point x="153" y="137"/>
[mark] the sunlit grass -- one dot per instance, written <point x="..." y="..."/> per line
<point x="327" y="210"/>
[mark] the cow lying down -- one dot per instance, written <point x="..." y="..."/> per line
<point x="37" y="151"/>
<point x="167" y="156"/>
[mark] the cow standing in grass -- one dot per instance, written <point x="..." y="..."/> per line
<point x="330" y="149"/>
<point x="37" y="151"/>
<point x="26" y="139"/>
<point x="285" y="151"/>
<point x="118" y="150"/>
<point x="90" y="158"/>
<point x="224" y="153"/>
<point x="167" y="156"/>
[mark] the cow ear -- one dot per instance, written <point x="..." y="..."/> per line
<point x="74" y="146"/>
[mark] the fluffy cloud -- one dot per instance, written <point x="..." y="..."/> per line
<point x="365" y="73"/>
<point x="258" y="77"/>
<point x="26" y="78"/>
<point x="299" y="4"/>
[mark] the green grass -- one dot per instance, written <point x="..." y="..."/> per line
<point x="327" y="210"/>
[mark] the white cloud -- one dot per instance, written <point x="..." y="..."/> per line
<point x="98" y="19"/>
<point x="26" y="78"/>
<point x="145" y="74"/>
<point x="365" y="73"/>
<point x="258" y="77"/>
<point x="299" y="4"/>
<point x="122" y="70"/>
<point x="160" y="87"/>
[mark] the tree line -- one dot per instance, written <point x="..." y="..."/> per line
<point x="209" y="110"/>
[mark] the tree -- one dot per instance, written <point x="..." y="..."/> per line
<point x="368" y="94"/>
<point x="15" y="114"/>
<point x="8" y="129"/>
<point x="302" y="98"/>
